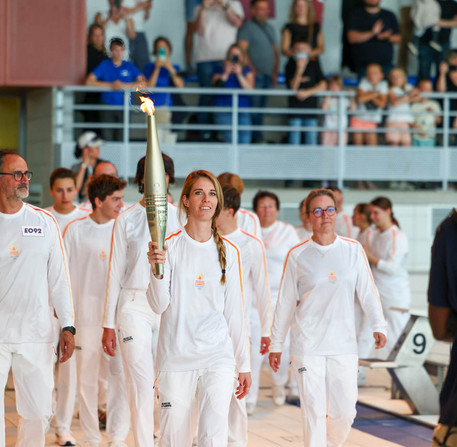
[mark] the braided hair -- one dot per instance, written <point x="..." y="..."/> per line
<point x="183" y="211"/>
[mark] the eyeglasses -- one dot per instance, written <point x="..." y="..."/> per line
<point x="318" y="212"/>
<point x="18" y="175"/>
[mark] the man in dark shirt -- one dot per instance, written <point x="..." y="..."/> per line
<point x="372" y="31"/>
<point x="429" y="56"/>
<point x="442" y="298"/>
<point x="305" y="76"/>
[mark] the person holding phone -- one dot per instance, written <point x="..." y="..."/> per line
<point x="447" y="81"/>
<point x="233" y="73"/>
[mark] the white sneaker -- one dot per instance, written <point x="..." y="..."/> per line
<point x="65" y="439"/>
<point x="279" y="395"/>
<point x="250" y="408"/>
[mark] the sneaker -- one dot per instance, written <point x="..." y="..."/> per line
<point x="250" y="408"/>
<point x="65" y="439"/>
<point x="436" y="46"/>
<point x="279" y="395"/>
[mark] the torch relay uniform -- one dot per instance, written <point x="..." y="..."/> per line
<point x="87" y="244"/>
<point x="33" y="276"/>
<point x="67" y="385"/>
<point x="391" y="278"/>
<point x="257" y="301"/>
<point x="324" y="281"/>
<point x="278" y="239"/>
<point x="126" y="307"/>
<point x="248" y="221"/>
<point x="202" y="339"/>
<point x="344" y="227"/>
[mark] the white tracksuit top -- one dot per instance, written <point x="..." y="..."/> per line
<point x="278" y="239"/>
<point x="88" y="244"/>
<point x="344" y="227"/>
<point x="203" y="322"/>
<point x="391" y="274"/>
<point x="64" y="219"/>
<point x="33" y="276"/>
<point x="302" y="233"/>
<point x="324" y="281"/>
<point x="129" y="267"/>
<point x="248" y="221"/>
<point x="364" y="236"/>
<point x="255" y="277"/>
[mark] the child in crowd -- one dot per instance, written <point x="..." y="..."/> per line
<point x="427" y="115"/>
<point x="399" y="118"/>
<point x="331" y="119"/>
<point x="371" y="99"/>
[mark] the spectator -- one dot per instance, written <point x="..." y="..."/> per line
<point x="216" y="23"/>
<point x="190" y="6"/>
<point x="115" y="24"/>
<point x="304" y="75"/>
<point x="258" y="40"/>
<point x="425" y="14"/>
<point x="346" y="9"/>
<point x="447" y="81"/>
<point x="442" y="312"/>
<point x="234" y="73"/>
<point x="303" y="27"/>
<point x="117" y="74"/>
<point x="88" y="149"/>
<point x="138" y="11"/>
<point x="331" y="105"/>
<point x="406" y="31"/>
<point x="432" y="56"/>
<point x="427" y="115"/>
<point x="372" y="31"/>
<point x="247" y="7"/>
<point x="371" y="99"/>
<point x="162" y="73"/>
<point x="399" y="117"/>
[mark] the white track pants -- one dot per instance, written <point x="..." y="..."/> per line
<point x="90" y="353"/>
<point x="328" y="394"/>
<point x="238" y="423"/>
<point x="183" y="394"/>
<point x="32" y="365"/>
<point x="138" y="335"/>
<point x="396" y="322"/>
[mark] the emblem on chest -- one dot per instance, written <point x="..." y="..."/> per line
<point x="331" y="276"/>
<point x="199" y="281"/>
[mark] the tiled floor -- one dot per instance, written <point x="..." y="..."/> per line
<point x="280" y="426"/>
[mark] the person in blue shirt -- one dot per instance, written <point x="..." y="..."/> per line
<point x="117" y="74"/>
<point x="234" y="73"/>
<point x="162" y="73"/>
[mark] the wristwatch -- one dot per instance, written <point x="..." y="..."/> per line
<point x="71" y="329"/>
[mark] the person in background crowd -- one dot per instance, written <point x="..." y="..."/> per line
<point x="387" y="251"/>
<point x="304" y="76"/>
<point x="189" y="11"/>
<point x="429" y="56"/>
<point x="332" y="105"/>
<point x="316" y="302"/>
<point x="138" y="11"/>
<point x="87" y="245"/>
<point x="302" y="27"/>
<point x="343" y="223"/>
<point x="371" y="100"/>
<point x="372" y="31"/>
<point x="427" y="115"/>
<point x="203" y="346"/>
<point x="399" y="117"/>
<point x="216" y="25"/>
<point x="305" y="230"/>
<point x="247" y="6"/>
<point x="234" y="73"/>
<point x="447" y="82"/>
<point x="116" y="25"/>
<point x="347" y="7"/>
<point x="88" y="149"/>
<point x="361" y="219"/>
<point x="34" y="276"/>
<point x="246" y="220"/>
<point x="442" y="314"/>
<point x="117" y="74"/>
<point x="406" y="30"/>
<point x="278" y="237"/>
<point x="257" y="38"/>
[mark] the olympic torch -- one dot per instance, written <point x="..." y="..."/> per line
<point x="155" y="186"/>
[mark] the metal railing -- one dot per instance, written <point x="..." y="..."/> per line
<point x="275" y="160"/>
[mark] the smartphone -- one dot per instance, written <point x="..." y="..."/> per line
<point x="162" y="53"/>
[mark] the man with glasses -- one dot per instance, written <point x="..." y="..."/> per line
<point x="33" y="276"/>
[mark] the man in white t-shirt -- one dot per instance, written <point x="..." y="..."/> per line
<point x="33" y="276"/>
<point x="216" y="24"/>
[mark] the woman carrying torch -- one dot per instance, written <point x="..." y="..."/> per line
<point x="202" y="337"/>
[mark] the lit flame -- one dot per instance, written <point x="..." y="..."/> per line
<point x="147" y="105"/>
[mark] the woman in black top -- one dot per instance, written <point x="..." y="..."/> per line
<point x="447" y="82"/>
<point x="302" y="28"/>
